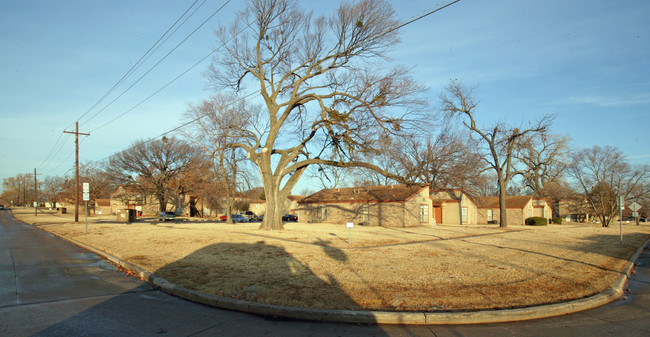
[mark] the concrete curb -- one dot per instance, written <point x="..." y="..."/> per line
<point x="379" y="317"/>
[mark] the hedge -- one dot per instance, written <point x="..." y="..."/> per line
<point x="536" y="221"/>
<point x="557" y="221"/>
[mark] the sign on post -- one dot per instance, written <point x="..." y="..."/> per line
<point x="86" y="197"/>
<point x="635" y="207"/>
<point x="350" y="225"/>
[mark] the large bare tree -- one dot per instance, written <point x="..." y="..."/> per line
<point x="217" y="127"/>
<point x="443" y="160"/>
<point x="51" y="188"/>
<point x="499" y="142"/>
<point x="544" y="158"/>
<point x="325" y="99"/>
<point x="603" y="174"/>
<point x="93" y="174"/>
<point x="153" y="168"/>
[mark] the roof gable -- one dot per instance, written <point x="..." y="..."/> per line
<point x="392" y="193"/>
<point x="103" y="202"/>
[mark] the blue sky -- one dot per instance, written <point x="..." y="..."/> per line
<point x="588" y="62"/>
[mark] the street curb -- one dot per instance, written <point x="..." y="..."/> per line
<point x="378" y="317"/>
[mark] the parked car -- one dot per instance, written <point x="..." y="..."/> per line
<point x="164" y="216"/>
<point x="289" y="217"/>
<point x="2" y="206"/>
<point x="235" y="218"/>
<point x="248" y="214"/>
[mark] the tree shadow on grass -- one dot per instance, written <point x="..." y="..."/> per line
<point x="258" y="272"/>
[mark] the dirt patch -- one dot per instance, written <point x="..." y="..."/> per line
<point x="405" y="269"/>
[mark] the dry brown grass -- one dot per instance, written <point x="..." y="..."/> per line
<point x="405" y="269"/>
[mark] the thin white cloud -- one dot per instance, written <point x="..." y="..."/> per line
<point x="605" y="101"/>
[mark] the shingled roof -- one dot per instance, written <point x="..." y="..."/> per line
<point x="103" y="202"/>
<point x="392" y="193"/>
<point x="511" y="201"/>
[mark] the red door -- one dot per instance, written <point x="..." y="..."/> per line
<point x="437" y="214"/>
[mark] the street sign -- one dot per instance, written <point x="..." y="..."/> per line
<point x="349" y="225"/>
<point x="635" y="207"/>
<point x="86" y="187"/>
<point x="86" y="196"/>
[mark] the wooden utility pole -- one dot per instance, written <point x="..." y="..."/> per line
<point x="76" y="134"/>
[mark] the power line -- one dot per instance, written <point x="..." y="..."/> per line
<point x="144" y="57"/>
<point x="157" y="63"/>
<point x="139" y="62"/>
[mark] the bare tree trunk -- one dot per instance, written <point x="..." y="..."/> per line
<point x="503" y="218"/>
<point x="162" y="204"/>
<point x="274" y="204"/>
<point x="230" y="202"/>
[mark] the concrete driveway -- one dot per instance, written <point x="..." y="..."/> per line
<point x="49" y="287"/>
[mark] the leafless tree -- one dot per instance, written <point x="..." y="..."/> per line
<point x="331" y="176"/>
<point x="93" y="174"/>
<point x="217" y="127"/>
<point x="51" y="187"/>
<point x="544" y="157"/>
<point x="603" y="174"/>
<point x="17" y="189"/>
<point x="499" y="143"/>
<point x="325" y="101"/>
<point x="153" y="168"/>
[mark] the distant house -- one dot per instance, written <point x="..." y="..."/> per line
<point x="130" y="198"/>
<point x="575" y="209"/>
<point x="258" y="206"/>
<point x="103" y="206"/>
<point x="291" y="205"/>
<point x="389" y="206"/>
<point x="518" y="209"/>
<point x="453" y="206"/>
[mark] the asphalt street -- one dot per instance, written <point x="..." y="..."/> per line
<point x="50" y="287"/>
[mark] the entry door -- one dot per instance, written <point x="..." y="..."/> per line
<point x="437" y="213"/>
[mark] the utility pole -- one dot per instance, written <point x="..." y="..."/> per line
<point x="76" y="134"/>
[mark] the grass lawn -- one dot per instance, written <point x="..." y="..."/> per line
<point x="446" y="267"/>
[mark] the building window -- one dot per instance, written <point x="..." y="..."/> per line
<point x="424" y="213"/>
<point x="490" y="215"/>
<point x="323" y="212"/>
<point x="464" y="214"/>
<point x="530" y="213"/>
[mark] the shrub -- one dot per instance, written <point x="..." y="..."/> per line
<point x="557" y="221"/>
<point x="536" y="221"/>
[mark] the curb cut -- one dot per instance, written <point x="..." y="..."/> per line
<point x="378" y="317"/>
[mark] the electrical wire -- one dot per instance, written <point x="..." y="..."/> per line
<point x="54" y="151"/>
<point x="143" y="58"/>
<point x="157" y="63"/>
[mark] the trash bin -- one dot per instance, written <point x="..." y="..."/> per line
<point x="64" y="210"/>
<point x="126" y="215"/>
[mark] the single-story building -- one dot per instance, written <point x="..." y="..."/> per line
<point x="453" y="206"/>
<point x="390" y="206"/>
<point x="518" y="209"/>
<point x="103" y="206"/>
